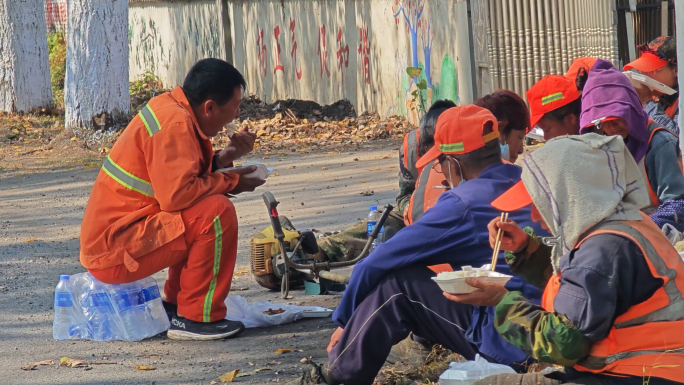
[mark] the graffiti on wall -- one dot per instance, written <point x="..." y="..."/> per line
<point x="418" y="89"/>
<point x="293" y="52"/>
<point x="342" y="55"/>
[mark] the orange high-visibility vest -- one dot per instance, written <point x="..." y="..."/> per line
<point x="673" y="109"/>
<point x="160" y="165"/>
<point x="647" y="340"/>
<point x="429" y="187"/>
<point x="653" y="127"/>
<point x="411" y="143"/>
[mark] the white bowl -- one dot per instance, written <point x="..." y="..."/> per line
<point x="459" y="285"/>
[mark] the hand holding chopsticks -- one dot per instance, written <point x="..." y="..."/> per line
<point x="497" y="244"/>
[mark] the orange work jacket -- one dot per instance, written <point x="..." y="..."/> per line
<point x="647" y="340"/>
<point x="410" y="145"/>
<point x="673" y="109"/>
<point x="429" y="187"/>
<point x="160" y="165"/>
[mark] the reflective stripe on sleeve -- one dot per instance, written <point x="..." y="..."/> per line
<point x="127" y="179"/>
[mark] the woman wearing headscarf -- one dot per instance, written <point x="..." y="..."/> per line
<point x="612" y="306"/>
<point x="610" y="106"/>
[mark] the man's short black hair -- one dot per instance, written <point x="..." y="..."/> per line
<point x="212" y="79"/>
<point x="574" y="108"/>
<point x="428" y="124"/>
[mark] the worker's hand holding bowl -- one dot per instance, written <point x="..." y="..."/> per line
<point x="487" y="293"/>
<point x="513" y="239"/>
<point x="246" y="184"/>
<point x="241" y="143"/>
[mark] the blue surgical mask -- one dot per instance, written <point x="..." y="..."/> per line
<point x="505" y="152"/>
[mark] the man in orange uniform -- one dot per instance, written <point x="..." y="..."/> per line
<point x="159" y="203"/>
<point x="555" y="106"/>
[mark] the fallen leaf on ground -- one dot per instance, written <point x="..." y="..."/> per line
<point x="356" y="159"/>
<point x="374" y="169"/>
<point x="367" y="193"/>
<point x="363" y="181"/>
<point x="30" y="240"/>
<point x="73" y="138"/>
<point x="282" y="351"/>
<point x="3" y="287"/>
<point x="16" y="147"/>
<point x="238" y="272"/>
<point x="146" y="367"/>
<point x="71" y="363"/>
<point x="213" y="382"/>
<point x="90" y="165"/>
<point x="230" y="376"/>
<point x="324" y="168"/>
<point x="274" y="311"/>
<point x="386" y="157"/>
<point x="15" y="131"/>
<point x="39" y="363"/>
<point x="262" y="370"/>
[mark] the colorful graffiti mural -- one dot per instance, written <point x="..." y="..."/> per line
<point x="418" y="91"/>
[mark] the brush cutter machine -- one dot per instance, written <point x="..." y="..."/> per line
<point x="280" y="254"/>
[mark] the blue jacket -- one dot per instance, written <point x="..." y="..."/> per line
<point x="454" y="231"/>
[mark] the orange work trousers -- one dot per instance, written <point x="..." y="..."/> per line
<point x="200" y="263"/>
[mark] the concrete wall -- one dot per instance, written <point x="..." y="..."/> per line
<point x="321" y="50"/>
<point x="168" y="38"/>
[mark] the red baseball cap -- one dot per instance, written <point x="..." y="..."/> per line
<point x="459" y="131"/>
<point x="548" y="94"/>
<point x="647" y="62"/>
<point x="515" y="198"/>
<point x="578" y="64"/>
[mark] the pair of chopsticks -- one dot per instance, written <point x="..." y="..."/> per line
<point x="497" y="243"/>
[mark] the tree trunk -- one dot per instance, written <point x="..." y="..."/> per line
<point x="24" y="65"/>
<point x="96" y="83"/>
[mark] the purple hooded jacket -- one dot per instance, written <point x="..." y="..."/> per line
<point x="609" y="93"/>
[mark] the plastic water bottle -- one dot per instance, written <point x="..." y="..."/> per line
<point x="129" y="303"/>
<point x="64" y="314"/>
<point x="154" y="307"/>
<point x="98" y="311"/>
<point x="373" y="218"/>
<point x="377" y="240"/>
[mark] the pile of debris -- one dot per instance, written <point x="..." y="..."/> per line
<point x="304" y="126"/>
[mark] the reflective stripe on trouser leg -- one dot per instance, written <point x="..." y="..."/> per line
<point x="127" y="179"/>
<point x="150" y="120"/>
<point x="218" y="249"/>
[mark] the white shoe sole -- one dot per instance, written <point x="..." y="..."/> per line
<point x="181" y="335"/>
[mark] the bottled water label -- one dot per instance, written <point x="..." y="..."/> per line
<point x="98" y="299"/>
<point x="63" y="300"/>
<point x="370" y="226"/>
<point x="151" y="293"/>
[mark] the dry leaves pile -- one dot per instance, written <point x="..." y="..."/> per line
<point x="303" y="126"/>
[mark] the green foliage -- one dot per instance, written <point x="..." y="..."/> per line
<point x="57" y="57"/>
<point x="413" y="71"/>
<point x="419" y="95"/>
<point x="146" y="82"/>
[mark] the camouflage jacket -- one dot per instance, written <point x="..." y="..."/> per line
<point x="547" y="337"/>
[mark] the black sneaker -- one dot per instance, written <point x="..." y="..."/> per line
<point x="184" y="329"/>
<point x="171" y="309"/>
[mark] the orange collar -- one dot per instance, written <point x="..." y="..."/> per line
<point x="180" y="97"/>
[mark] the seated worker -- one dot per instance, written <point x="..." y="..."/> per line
<point x="391" y="294"/>
<point x="612" y="306"/>
<point x="158" y="203"/>
<point x="555" y="106"/>
<point x="513" y="119"/>
<point x="658" y="60"/>
<point x="611" y="106"/>
<point x="349" y="243"/>
<point x="416" y="144"/>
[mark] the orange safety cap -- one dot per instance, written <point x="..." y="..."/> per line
<point x="515" y="198"/>
<point x="548" y="94"/>
<point x="459" y="130"/>
<point x="647" y="62"/>
<point x="578" y="64"/>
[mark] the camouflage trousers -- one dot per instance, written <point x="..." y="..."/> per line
<point x="541" y="379"/>
<point x="349" y="243"/>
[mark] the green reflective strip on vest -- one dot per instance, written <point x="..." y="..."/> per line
<point x="552" y="98"/>
<point x="218" y="246"/>
<point x="453" y="147"/>
<point x="150" y="120"/>
<point x="127" y="179"/>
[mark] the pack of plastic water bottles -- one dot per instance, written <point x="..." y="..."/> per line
<point x="86" y="308"/>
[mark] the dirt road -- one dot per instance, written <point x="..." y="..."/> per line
<point x="40" y="217"/>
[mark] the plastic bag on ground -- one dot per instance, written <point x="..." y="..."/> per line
<point x="469" y="372"/>
<point x="261" y="314"/>
<point x="103" y="312"/>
